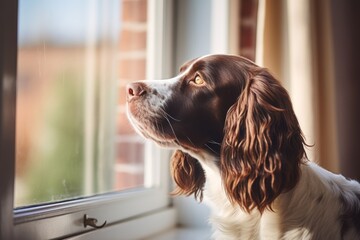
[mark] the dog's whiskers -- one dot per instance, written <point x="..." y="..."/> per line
<point x="210" y="148"/>
<point x="213" y="142"/>
<point x="168" y="115"/>
<point x="190" y="141"/>
<point x="172" y="129"/>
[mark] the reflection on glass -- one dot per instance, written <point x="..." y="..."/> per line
<point x="68" y="141"/>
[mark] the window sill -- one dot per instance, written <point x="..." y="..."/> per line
<point x="160" y="225"/>
<point x="137" y="228"/>
<point x="183" y="234"/>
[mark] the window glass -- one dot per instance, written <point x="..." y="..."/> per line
<point x="72" y="135"/>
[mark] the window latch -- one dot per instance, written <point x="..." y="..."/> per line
<point x="92" y="222"/>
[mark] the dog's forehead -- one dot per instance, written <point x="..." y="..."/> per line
<point x="217" y="60"/>
<point x="187" y="66"/>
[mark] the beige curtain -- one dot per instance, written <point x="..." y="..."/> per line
<point x="301" y="57"/>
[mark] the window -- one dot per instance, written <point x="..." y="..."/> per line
<point x="66" y="99"/>
<point x="75" y="151"/>
<point x="64" y="68"/>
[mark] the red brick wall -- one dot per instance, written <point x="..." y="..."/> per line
<point x="131" y="66"/>
<point x="247" y="32"/>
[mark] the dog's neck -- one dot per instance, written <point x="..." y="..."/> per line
<point x="223" y="212"/>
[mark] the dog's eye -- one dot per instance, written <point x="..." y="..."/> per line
<point x="199" y="80"/>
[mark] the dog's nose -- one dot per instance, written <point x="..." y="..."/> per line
<point x="135" y="90"/>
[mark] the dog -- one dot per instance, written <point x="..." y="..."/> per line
<point x="239" y="147"/>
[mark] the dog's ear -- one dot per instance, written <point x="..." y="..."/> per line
<point x="188" y="175"/>
<point x="263" y="144"/>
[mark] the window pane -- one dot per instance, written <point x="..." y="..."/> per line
<point x="74" y="59"/>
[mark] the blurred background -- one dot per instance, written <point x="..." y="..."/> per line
<point x="76" y="57"/>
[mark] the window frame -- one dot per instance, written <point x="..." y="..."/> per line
<point x="64" y="219"/>
<point x="8" y="51"/>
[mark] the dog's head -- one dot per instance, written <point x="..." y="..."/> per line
<point x="227" y="107"/>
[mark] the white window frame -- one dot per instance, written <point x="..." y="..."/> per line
<point x="122" y="210"/>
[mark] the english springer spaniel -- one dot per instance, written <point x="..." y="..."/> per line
<point x="239" y="146"/>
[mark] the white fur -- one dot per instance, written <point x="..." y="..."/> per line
<point x="309" y="211"/>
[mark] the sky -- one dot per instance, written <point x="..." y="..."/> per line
<point x="65" y="21"/>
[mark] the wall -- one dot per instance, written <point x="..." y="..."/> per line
<point x="131" y="64"/>
<point x="192" y="40"/>
<point x="247" y="14"/>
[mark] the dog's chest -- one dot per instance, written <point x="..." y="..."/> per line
<point x="227" y="219"/>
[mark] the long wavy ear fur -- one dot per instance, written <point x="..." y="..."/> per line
<point x="187" y="174"/>
<point x="263" y="144"/>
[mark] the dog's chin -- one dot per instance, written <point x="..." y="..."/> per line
<point x="148" y="131"/>
<point x="161" y="142"/>
<point x="171" y="145"/>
